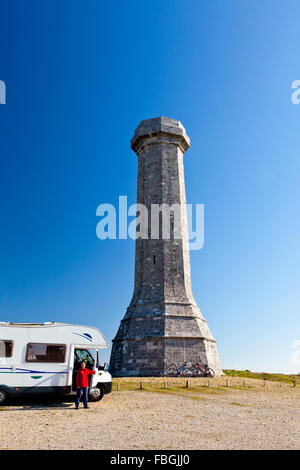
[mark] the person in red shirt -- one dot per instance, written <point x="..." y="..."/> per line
<point x="82" y="383"/>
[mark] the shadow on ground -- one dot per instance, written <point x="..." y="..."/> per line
<point x="38" y="403"/>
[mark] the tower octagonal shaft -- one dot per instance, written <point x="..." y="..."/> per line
<point x="163" y="323"/>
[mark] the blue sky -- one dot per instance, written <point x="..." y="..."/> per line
<point x="80" y="76"/>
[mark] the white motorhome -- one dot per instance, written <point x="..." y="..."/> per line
<point x="40" y="358"/>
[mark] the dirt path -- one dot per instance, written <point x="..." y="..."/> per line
<point x="233" y="419"/>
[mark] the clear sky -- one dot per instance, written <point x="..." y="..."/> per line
<point x="80" y="76"/>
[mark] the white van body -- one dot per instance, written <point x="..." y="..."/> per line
<point x="44" y="357"/>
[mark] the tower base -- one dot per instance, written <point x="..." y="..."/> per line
<point x="147" y="345"/>
<point x="150" y="357"/>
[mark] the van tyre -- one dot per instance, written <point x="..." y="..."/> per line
<point x="3" y="396"/>
<point x="96" y="394"/>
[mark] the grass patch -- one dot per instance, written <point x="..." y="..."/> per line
<point x="285" y="378"/>
<point x="194" y="392"/>
<point x="244" y="388"/>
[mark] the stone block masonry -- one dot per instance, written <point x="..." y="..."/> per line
<point x="163" y="323"/>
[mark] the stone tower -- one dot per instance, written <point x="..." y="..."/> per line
<point x="163" y="323"/>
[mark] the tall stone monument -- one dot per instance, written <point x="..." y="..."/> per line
<point x="163" y="323"/>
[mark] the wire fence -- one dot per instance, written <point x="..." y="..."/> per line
<point x="138" y="383"/>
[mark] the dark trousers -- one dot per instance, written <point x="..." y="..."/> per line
<point x="80" y="391"/>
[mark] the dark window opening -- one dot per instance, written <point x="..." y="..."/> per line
<point x="153" y="259"/>
<point x="83" y="355"/>
<point x="41" y="352"/>
<point x="6" y="348"/>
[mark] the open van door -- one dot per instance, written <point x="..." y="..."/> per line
<point x="82" y="354"/>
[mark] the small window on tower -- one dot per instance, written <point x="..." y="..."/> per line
<point x="153" y="259"/>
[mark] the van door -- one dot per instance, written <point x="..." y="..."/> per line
<point x="81" y="354"/>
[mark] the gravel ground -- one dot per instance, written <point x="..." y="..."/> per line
<point x="231" y="419"/>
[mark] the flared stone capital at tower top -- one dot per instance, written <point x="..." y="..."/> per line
<point x="160" y="129"/>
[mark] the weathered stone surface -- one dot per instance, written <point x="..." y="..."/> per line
<point x="162" y="324"/>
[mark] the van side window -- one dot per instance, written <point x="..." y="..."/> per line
<point x="6" y="348"/>
<point x="41" y="352"/>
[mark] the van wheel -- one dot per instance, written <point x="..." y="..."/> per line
<point x="3" y="396"/>
<point x="96" y="394"/>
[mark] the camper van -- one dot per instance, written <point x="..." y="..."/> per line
<point x="38" y="358"/>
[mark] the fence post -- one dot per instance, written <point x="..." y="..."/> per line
<point x="187" y="384"/>
<point x="208" y="383"/>
<point x="165" y="385"/>
<point x="141" y="385"/>
<point x="294" y="383"/>
<point x="264" y="382"/>
<point x="118" y="386"/>
<point x="226" y="382"/>
<point x="243" y="383"/>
